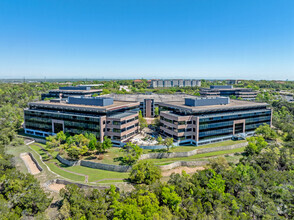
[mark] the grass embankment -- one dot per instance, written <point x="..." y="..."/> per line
<point x="111" y="157"/>
<point x="165" y="161"/>
<point x="93" y="174"/>
<point x="113" y="154"/>
<point x="218" y="144"/>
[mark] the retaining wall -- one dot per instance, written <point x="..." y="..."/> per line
<point x="36" y="162"/>
<point x="33" y="159"/>
<point x="103" y="166"/>
<point x="67" y="162"/>
<point x="94" y="165"/>
<point x="190" y="153"/>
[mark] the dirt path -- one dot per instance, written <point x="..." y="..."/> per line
<point x="180" y="169"/>
<point x="56" y="187"/>
<point x="32" y="167"/>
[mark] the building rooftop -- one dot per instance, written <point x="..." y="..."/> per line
<point x="139" y="97"/>
<point x="91" y="108"/>
<point x="123" y="114"/>
<point x="233" y="105"/>
<point x="76" y="91"/>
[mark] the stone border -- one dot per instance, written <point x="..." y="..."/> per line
<point x="103" y="166"/>
<point x="94" y="165"/>
<point x="66" y="182"/>
<point x="67" y="162"/>
<point x="33" y="159"/>
<point x="190" y="153"/>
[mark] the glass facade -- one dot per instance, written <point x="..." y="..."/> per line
<point x="73" y="124"/>
<point x="213" y="125"/>
<point x="222" y="125"/>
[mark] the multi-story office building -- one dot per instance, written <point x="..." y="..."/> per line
<point x="64" y="92"/>
<point x="76" y="115"/>
<point x="174" y="83"/>
<point x="229" y="90"/>
<point x="205" y="120"/>
<point x="188" y="119"/>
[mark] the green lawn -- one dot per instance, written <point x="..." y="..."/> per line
<point x="40" y="152"/>
<point x="96" y="174"/>
<point x="65" y="174"/>
<point x="218" y="144"/>
<point x="109" y="158"/>
<point x="112" y="155"/>
<point x="165" y="161"/>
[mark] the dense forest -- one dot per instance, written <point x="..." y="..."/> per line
<point x="259" y="186"/>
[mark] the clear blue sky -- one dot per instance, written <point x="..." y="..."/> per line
<point x="247" y="39"/>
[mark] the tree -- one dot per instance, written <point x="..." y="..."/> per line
<point x="106" y="143"/>
<point x="105" y="91"/>
<point x="160" y="139"/>
<point x="255" y="145"/>
<point x="73" y="152"/>
<point x="61" y="137"/>
<point x="142" y="121"/>
<point x="145" y="172"/>
<point x="92" y="144"/>
<point x="170" y="197"/>
<point x="169" y="142"/>
<point x="156" y="111"/>
<point x="99" y="147"/>
<point x="266" y="132"/>
<point x="133" y="153"/>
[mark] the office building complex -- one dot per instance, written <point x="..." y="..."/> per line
<point x="64" y="92"/>
<point x="187" y="119"/>
<point x="205" y="120"/>
<point x="76" y="115"/>
<point x="229" y="90"/>
<point x="155" y="83"/>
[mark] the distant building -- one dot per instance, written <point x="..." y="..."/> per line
<point x="126" y="88"/>
<point x="233" y="81"/>
<point x="229" y="90"/>
<point x="64" y="92"/>
<point x="155" y="83"/>
<point x="138" y="81"/>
